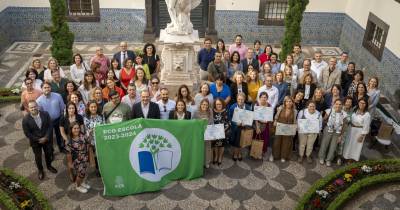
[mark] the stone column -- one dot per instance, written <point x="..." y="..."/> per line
<point x="149" y="34"/>
<point x="210" y="31"/>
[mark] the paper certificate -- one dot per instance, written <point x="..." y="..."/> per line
<point x="263" y="113"/>
<point x="308" y="125"/>
<point x="285" y="129"/>
<point x="242" y="116"/>
<point x="214" y="132"/>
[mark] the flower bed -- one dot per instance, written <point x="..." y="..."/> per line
<point x="17" y="192"/>
<point x="10" y="95"/>
<point x="334" y="190"/>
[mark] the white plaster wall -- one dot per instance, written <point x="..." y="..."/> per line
<point x="313" y="6"/>
<point x="23" y="3"/>
<point x="130" y="4"/>
<point x="386" y="10"/>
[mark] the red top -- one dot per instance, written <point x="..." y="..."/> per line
<point x="263" y="58"/>
<point x="106" y="91"/>
<point x="125" y="78"/>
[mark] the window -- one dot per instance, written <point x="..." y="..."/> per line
<point x="83" y="10"/>
<point x="272" y="12"/>
<point x="375" y="36"/>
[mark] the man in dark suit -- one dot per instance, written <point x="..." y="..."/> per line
<point x="146" y="109"/>
<point x="249" y="60"/>
<point x="36" y="126"/>
<point x="122" y="55"/>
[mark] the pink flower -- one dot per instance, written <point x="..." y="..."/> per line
<point x="339" y="182"/>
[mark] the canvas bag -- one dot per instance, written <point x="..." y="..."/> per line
<point x="385" y="131"/>
<point x="246" y="136"/>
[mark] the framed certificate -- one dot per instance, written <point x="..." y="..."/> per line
<point x="242" y="116"/>
<point x="214" y="132"/>
<point x="283" y="129"/>
<point x="308" y="125"/>
<point x="263" y="113"/>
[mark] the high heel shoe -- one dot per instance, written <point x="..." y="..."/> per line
<point x="219" y="163"/>
<point x="234" y="159"/>
<point x="240" y="159"/>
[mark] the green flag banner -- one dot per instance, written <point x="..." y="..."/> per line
<point x="144" y="155"/>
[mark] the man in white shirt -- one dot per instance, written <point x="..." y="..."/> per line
<point x="317" y="65"/>
<point x="273" y="93"/>
<point x="165" y="104"/>
<point x="131" y="98"/>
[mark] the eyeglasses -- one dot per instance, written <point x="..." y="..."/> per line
<point x="165" y="109"/>
<point x="28" y="83"/>
<point x="154" y="83"/>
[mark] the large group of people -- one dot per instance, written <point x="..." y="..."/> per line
<point x="232" y="77"/>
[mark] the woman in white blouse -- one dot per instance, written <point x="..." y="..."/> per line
<point x="78" y="69"/>
<point x="360" y="124"/>
<point x="52" y="65"/>
<point x="33" y="75"/>
<point x="290" y="62"/>
<point x="306" y="140"/>
<point x="333" y="132"/>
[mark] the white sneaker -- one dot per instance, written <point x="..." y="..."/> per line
<point x="321" y="162"/>
<point x="283" y="160"/>
<point x="339" y="161"/>
<point x="328" y="163"/>
<point x="85" y="185"/>
<point x="81" y="189"/>
<point x="271" y="158"/>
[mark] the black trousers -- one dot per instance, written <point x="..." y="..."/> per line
<point x="37" y="150"/>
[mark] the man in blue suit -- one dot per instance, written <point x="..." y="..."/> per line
<point x="122" y="55"/>
<point x="249" y="60"/>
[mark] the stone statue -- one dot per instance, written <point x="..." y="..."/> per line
<point x="179" y="12"/>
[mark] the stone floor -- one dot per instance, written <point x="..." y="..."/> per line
<point x="250" y="184"/>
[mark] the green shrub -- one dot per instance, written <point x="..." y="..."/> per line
<point x="6" y="201"/>
<point x="62" y="37"/>
<point x="293" y="19"/>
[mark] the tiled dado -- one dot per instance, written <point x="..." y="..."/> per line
<point x="387" y="70"/>
<point x="26" y="23"/>
<point x="229" y="23"/>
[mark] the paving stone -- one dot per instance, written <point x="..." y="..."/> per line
<point x="177" y="193"/>
<point x="270" y="193"/>
<point x="236" y="172"/>
<point x="240" y="193"/>
<point x="208" y="193"/>
<point x="286" y="179"/>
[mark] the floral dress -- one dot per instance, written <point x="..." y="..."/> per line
<point x="90" y="123"/>
<point x="79" y="152"/>
<point x="222" y="118"/>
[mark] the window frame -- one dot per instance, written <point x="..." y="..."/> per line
<point x="85" y="18"/>
<point x="373" y="23"/>
<point x="262" y="20"/>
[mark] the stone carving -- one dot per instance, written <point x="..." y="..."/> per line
<point x="179" y="12"/>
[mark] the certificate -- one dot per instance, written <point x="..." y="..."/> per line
<point x="242" y="116"/>
<point x="285" y="129"/>
<point x="308" y="125"/>
<point x="214" y="132"/>
<point x="263" y="113"/>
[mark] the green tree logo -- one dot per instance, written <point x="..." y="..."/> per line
<point x="154" y="143"/>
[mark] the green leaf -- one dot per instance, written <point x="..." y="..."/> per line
<point x="169" y="145"/>
<point x="141" y="145"/>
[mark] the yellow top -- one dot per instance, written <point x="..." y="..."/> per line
<point x="253" y="89"/>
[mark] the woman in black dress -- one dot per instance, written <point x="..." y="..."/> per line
<point x="220" y="115"/>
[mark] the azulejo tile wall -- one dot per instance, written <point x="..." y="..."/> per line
<point x="229" y="23"/>
<point x="25" y="24"/>
<point x="387" y="70"/>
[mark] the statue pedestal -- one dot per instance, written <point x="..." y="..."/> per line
<point x="172" y="38"/>
<point x="179" y="61"/>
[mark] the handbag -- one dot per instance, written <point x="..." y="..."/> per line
<point x="246" y="136"/>
<point x="257" y="147"/>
